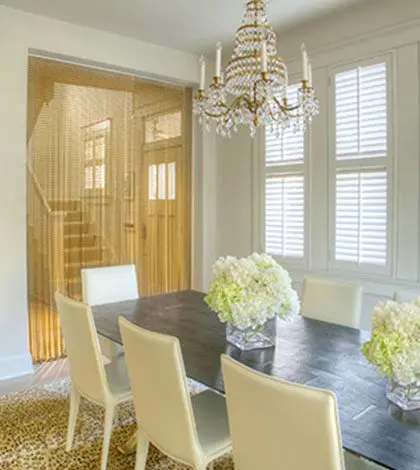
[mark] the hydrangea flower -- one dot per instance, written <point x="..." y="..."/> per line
<point x="394" y="346"/>
<point x="249" y="291"/>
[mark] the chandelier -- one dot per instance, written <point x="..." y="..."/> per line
<point x="256" y="78"/>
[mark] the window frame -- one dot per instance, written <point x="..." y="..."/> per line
<point x="285" y="169"/>
<point x="91" y="134"/>
<point x="161" y="143"/>
<point x="360" y="165"/>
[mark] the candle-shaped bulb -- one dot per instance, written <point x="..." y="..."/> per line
<point x="310" y="74"/>
<point x="304" y="63"/>
<point x="264" y="60"/>
<point x="202" y="72"/>
<point x="218" y="59"/>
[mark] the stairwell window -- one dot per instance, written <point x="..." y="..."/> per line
<point x="96" y="149"/>
<point x="285" y="190"/>
<point x="362" y="168"/>
<point x="163" y="126"/>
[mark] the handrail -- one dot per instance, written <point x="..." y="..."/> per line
<point x="39" y="189"/>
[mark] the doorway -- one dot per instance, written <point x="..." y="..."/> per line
<point x="108" y="182"/>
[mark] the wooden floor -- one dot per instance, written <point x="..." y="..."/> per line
<point x="45" y="372"/>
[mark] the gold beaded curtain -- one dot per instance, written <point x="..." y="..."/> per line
<point x="108" y="182"/>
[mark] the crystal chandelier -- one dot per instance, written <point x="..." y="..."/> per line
<point x="257" y="79"/>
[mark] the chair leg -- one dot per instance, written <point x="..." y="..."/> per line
<point x="109" y="420"/>
<point x="74" y="410"/>
<point x="141" y="451"/>
<point x="110" y="349"/>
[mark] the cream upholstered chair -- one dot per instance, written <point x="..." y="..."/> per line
<point x="276" y="424"/>
<point x="105" y="385"/>
<point x="333" y="302"/>
<point x="192" y="430"/>
<point x="354" y="462"/>
<point x="403" y="295"/>
<point x="107" y="285"/>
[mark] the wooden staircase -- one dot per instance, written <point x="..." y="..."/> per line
<point x="82" y="248"/>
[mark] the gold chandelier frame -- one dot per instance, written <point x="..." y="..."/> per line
<point x="265" y="88"/>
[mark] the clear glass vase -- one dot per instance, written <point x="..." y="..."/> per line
<point x="406" y="397"/>
<point x="261" y="337"/>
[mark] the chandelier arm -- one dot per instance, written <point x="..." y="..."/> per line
<point x="289" y="109"/>
<point x="229" y="108"/>
<point x="286" y="108"/>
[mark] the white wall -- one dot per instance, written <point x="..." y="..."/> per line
<point x="369" y="29"/>
<point x="21" y="33"/>
<point x="234" y="195"/>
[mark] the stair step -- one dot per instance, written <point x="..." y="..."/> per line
<point x="60" y="205"/>
<point x="72" y="270"/>
<point x="79" y="240"/>
<point x="75" y="228"/>
<point x="74" y="216"/>
<point x="72" y="255"/>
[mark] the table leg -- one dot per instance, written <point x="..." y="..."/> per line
<point x="130" y="446"/>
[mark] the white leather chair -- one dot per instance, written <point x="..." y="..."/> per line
<point x="332" y="302"/>
<point x="105" y="385"/>
<point x="403" y="296"/>
<point x="276" y="424"/>
<point x="354" y="462"/>
<point x="106" y="285"/>
<point x="192" y="430"/>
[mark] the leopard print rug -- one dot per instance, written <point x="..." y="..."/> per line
<point x="33" y="427"/>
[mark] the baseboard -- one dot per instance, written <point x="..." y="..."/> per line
<point x="16" y="366"/>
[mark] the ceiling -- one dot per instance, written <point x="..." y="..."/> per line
<point x="190" y="25"/>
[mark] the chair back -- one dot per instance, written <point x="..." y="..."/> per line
<point x="86" y="366"/>
<point x="160" y="391"/>
<point x="276" y="424"/>
<point x="403" y="296"/>
<point x="332" y="302"/>
<point x="109" y="284"/>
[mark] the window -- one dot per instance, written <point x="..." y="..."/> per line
<point x="285" y="190"/>
<point x="162" y="181"/>
<point x="96" y="148"/>
<point x="163" y="126"/>
<point x="361" y="166"/>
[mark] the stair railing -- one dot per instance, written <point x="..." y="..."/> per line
<point x="47" y="226"/>
<point x="89" y="212"/>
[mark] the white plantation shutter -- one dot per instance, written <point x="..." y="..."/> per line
<point x="284" y="215"/>
<point x="361" y="165"/>
<point x="285" y="190"/>
<point x="361" y="217"/>
<point x="288" y="147"/>
<point x="361" y="112"/>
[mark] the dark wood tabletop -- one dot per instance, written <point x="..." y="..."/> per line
<point x="309" y="352"/>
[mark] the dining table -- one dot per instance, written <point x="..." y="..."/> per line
<point x="307" y="351"/>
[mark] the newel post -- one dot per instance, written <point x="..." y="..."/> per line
<point x="57" y="247"/>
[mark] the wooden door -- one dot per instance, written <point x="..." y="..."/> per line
<point x="164" y="210"/>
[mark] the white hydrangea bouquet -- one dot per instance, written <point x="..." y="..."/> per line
<point x="394" y="348"/>
<point x="247" y="292"/>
